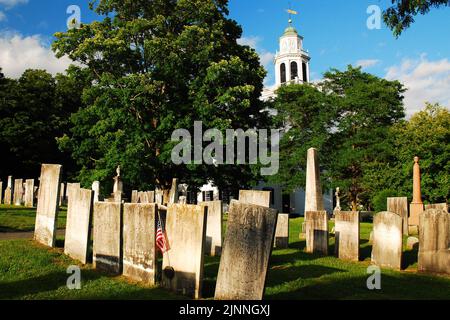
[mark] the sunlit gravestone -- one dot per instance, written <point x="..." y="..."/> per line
<point x="316" y="223"/>
<point x="139" y="245"/>
<point x="8" y="191"/>
<point x="29" y="193"/>
<point x="347" y="235"/>
<point x="259" y="198"/>
<point x="48" y="204"/>
<point x="18" y="192"/>
<point x="183" y="261"/>
<point x="282" y="231"/>
<point x="246" y="251"/>
<point x="79" y="218"/>
<point x="399" y="205"/>
<point x="213" y="241"/>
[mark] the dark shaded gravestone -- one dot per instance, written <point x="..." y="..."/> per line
<point x="134" y="196"/>
<point x="8" y="191"/>
<point x="18" y="192"/>
<point x="434" y="241"/>
<point x="62" y="194"/>
<point x="387" y="240"/>
<point x="258" y="198"/>
<point x="29" y="193"/>
<point x="213" y="241"/>
<point x="79" y="219"/>
<point x="139" y="244"/>
<point x="47" y="205"/>
<point x="107" y="247"/>
<point x="282" y="231"/>
<point x="183" y="261"/>
<point x="347" y="235"/>
<point x="399" y="205"/>
<point x="246" y="251"/>
<point x="439" y="206"/>
<point x="316" y="224"/>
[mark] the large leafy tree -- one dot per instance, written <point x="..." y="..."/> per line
<point x="401" y="14"/>
<point x="156" y="66"/>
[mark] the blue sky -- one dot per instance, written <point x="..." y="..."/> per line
<point x="335" y="34"/>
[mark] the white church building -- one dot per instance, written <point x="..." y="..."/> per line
<point x="292" y="66"/>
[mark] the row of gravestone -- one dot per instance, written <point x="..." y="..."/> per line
<point x="18" y="192"/>
<point x="387" y="241"/>
<point x="124" y="238"/>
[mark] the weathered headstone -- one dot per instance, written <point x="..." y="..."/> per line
<point x="439" y="206"/>
<point x="151" y="196"/>
<point x="387" y="240"/>
<point x="282" y="231"/>
<point x="29" y="193"/>
<point x="71" y="187"/>
<point x="79" y="217"/>
<point x="347" y="235"/>
<point x="62" y="194"/>
<point x="139" y="248"/>
<point x="416" y="207"/>
<point x="316" y="223"/>
<point x="313" y="192"/>
<point x="96" y="188"/>
<point x="183" y="261"/>
<point x="18" y="192"/>
<point x="159" y="196"/>
<point x="434" y="237"/>
<point x="134" y="196"/>
<point x="1" y="192"/>
<point x="173" y="193"/>
<point x="258" y="198"/>
<point x="247" y="248"/>
<point x="399" y="205"/>
<point x="213" y="243"/>
<point x="107" y="247"/>
<point x="8" y="191"/>
<point x="47" y="205"/>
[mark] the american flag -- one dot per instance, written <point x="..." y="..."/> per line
<point x="160" y="239"/>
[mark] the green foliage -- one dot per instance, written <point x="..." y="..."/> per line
<point x="155" y="68"/>
<point x="379" y="201"/>
<point x="401" y="14"/>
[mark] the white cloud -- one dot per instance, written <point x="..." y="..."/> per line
<point x="426" y="81"/>
<point x="2" y="16"/>
<point x="11" y="3"/>
<point x="367" y="63"/>
<point x="18" y="53"/>
<point x="249" y="41"/>
<point x="265" y="56"/>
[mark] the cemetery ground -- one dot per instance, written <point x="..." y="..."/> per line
<point x="31" y="271"/>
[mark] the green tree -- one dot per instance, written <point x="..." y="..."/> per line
<point x="401" y="14"/>
<point x="155" y="67"/>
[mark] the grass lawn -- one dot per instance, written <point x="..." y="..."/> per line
<point x="21" y="219"/>
<point x="31" y="271"/>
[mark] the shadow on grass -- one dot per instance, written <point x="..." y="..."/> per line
<point x="410" y="257"/>
<point x="365" y="250"/>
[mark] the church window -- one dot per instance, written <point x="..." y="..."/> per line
<point x="283" y="73"/>
<point x="294" y="70"/>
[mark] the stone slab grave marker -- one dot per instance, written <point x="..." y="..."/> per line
<point x="173" y="193"/>
<point x="18" y="192"/>
<point x="70" y="187"/>
<point x="107" y="247"/>
<point x="416" y="207"/>
<point x="96" y="188"/>
<point x="213" y="241"/>
<point x="399" y="205"/>
<point x="159" y="197"/>
<point x="282" y="231"/>
<point x="1" y="192"/>
<point x="29" y="193"/>
<point x="313" y="190"/>
<point x="440" y="206"/>
<point x="347" y="235"/>
<point x="8" y="191"/>
<point x="139" y="244"/>
<point x="246" y="251"/>
<point x="316" y="223"/>
<point x="183" y="261"/>
<point x="258" y="198"/>
<point x="62" y="194"/>
<point x="434" y="241"/>
<point x="47" y="205"/>
<point x="134" y="196"/>
<point x="78" y="227"/>
<point x="387" y="240"/>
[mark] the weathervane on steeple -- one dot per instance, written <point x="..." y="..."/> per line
<point x="291" y="12"/>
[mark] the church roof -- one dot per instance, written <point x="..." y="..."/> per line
<point x="290" y="31"/>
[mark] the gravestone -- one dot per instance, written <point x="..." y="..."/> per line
<point x="71" y="187"/>
<point x="159" y="197"/>
<point x="151" y="196"/>
<point x="399" y="205"/>
<point x="107" y="247"/>
<point x="316" y="223"/>
<point x="246" y="251"/>
<point x="62" y="194"/>
<point x="139" y="246"/>
<point x="416" y="207"/>
<point x="411" y="242"/>
<point x="29" y="193"/>
<point x="173" y="193"/>
<point x="134" y="196"/>
<point x="1" y="192"/>
<point x="47" y="205"/>
<point x="79" y="218"/>
<point x="258" y="198"/>
<point x="439" y="206"/>
<point x="434" y="241"/>
<point x="213" y="241"/>
<point x="8" y="191"/>
<point x="387" y="240"/>
<point x="347" y="235"/>
<point x="18" y="192"/>
<point x="282" y="231"/>
<point x="96" y="188"/>
<point x="183" y="261"/>
<point x="313" y="190"/>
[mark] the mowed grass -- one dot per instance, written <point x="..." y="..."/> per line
<point x="31" y="271"/>
<point x="21" y="219"/>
